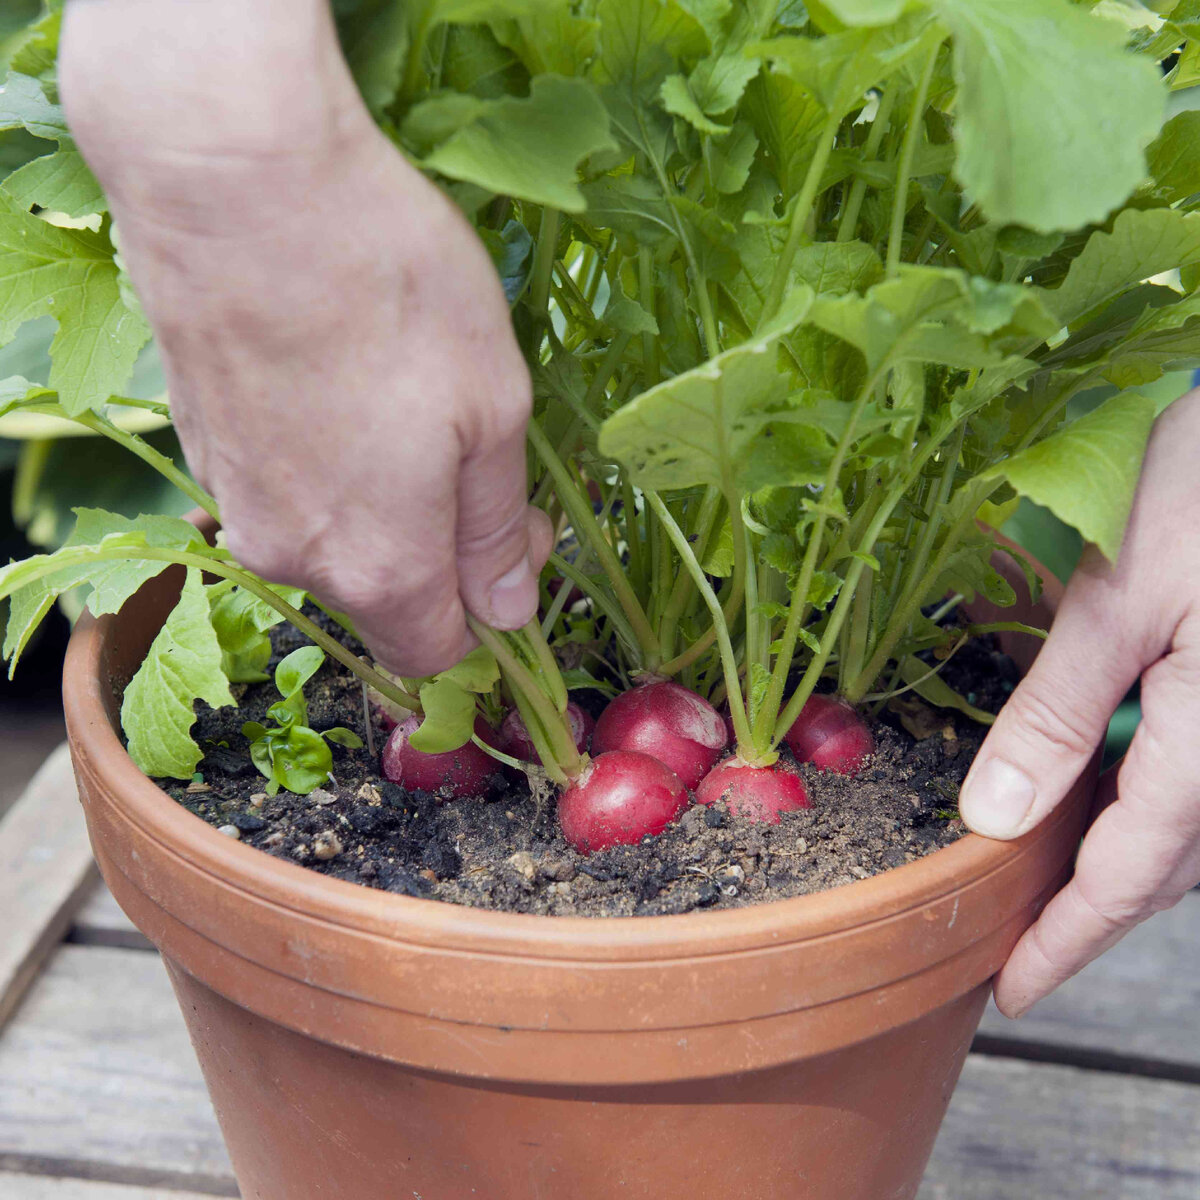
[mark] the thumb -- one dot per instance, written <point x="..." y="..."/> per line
<point x="496" y="535"/>
<point x="1051" y="725"/>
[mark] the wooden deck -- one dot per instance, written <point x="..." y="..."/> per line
<point x="1093" y="1096"/>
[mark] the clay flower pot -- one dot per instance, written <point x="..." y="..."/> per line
<point x="359" y="1044"/>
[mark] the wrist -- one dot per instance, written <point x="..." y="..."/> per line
<point x="175" y="85"/>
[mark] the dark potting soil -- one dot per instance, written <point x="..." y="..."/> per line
<point x="504" y="851"/>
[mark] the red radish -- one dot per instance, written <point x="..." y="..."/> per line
<point x="618" y="799"/>
<point x="515" y="740"/>
<point x="666" y="721"/>
<point x="756" y="793"/>
<point x="450" y="775"/>
<point x="829" y="734"/>
<point x="386" y="721"/>
<point x="555" y="585"/>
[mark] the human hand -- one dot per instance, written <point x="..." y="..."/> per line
<point x="1139" y="618"/>
<point x="341" y="363"/>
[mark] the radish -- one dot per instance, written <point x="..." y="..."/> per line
<point x="829" y="734"/>
<point x="385" y="719"/>
<point x="515" y="740"/>
<point x="666" y="721"/>
<point x="451" y="775"/>
<point x="756" y="793"/>
<point x="619" y="798"/>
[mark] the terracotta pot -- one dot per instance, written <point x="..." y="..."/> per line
<point x="362" y="1045"/>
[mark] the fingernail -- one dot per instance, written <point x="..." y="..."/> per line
<point x="996" y="799"/>
<point x="513" y="598"/>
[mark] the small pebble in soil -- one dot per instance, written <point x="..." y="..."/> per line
<point x="326" y="845"/>
<point x="247" y="823"/>
<point x="230" y="831"/>
<point x="322" y="797"/>
<point x="369" y="795"/>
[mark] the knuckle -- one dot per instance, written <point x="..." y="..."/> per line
<point x="505" y="538"/>
<point x="1119" y="913"/>
<point x="1037" y="720"/>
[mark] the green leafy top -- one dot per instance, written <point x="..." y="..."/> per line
<point x="804" y="290"/>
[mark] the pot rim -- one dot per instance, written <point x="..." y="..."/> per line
<point x="294" y="888"/>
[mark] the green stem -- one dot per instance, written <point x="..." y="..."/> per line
<point x="506" y="759"/>
<point x="547" y="664"/>
<point x="910" y="604"/>
<point x="218" y="563"/>
<point x="650" y="364"/>
<point x="633" y="536"/>
<point x="904" y="172"/>
<point x="860" y="632"/>
<point x="938" y="500"/>
<point x="606" y="604"/>
<point x="798" y="609"/>
<point x="737" y="707"/>
<point x="800" y="215"/>
<point x="587" y="530"/>
<point x="543" y="263"/>
<point x="147" y="453"/>
<point x="848" y="225"/>
<point x="682" y="591"/>
<point x="564" y="756"/>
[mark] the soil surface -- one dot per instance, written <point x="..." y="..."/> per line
<point x="503" y="851"/>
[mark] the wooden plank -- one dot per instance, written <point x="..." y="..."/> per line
<point x="45" y="1187"/>
<point x="45" y="866"/>
<point x="1140" y="1003"/>
<point x="100" y="1080"/>
<point x="1018" y="1129"/>
<point x="100" y="921"/>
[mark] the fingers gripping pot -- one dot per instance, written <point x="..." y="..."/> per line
<point x="358" y="1043"/>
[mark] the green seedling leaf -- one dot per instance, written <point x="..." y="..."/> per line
<point x="1173" y="161"/>
<point x="1142" y="243"/>
<point x="182" y="666"/>
<point x="1087" y="472"/>
<point x="868" y="12"/>
<point x="641" y="40"/>
<point x="718" y="558"/>
<point x="908" y="317"/>
<point x="60" y="182"/>
<point x="623" y="315"/>
<point x="300" y="759"/>
<point x="292" y="673"/>
<point x="343" y="737"/>
<point x="375" y="42"/>
<point x="1053" y="114"/>
<point x="678" y="100"/>
<point x="512" y="251"/>
<point x="840" y="69"/>
<point x="732" y="158"/>
<point x="478" y="672"/>
<point x="241" y="621"/>
<point x="788" y="122"/>
<point x="24" y="105"/>
<point x="68" y="274"/>
<point x="530" y="148"/>
<point x="938" y="692"/>
<point x="102" y="552"/>
<point x="708" y="425"/>
<point x="449" y="717"/>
